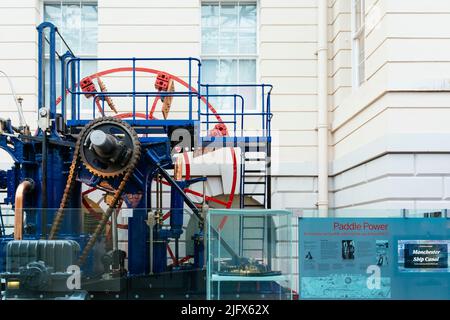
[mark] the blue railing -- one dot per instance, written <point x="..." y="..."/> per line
<point x="237" y="118"/>
<point x="75" y="64"/>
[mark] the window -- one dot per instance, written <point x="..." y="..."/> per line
<point x="77" y="23"/>
<point x="229" y="49"/>
<point x="358" y="35"/>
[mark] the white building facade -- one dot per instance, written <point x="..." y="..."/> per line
<point x="388" y="76"/>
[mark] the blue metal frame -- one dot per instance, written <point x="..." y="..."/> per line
<point x="155" y="150"/>
<point x="203" y="117"/>
<point x="71" y="65"/>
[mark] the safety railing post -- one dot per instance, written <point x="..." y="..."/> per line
<point x="234" y="115"/>
<point x="134" y="88"/>
<point x="207" y="108"/>
<point x="79" y="96"/>
<point x="41" y="80"/>
<point x="190" y="88"/>
<point x="199" y="84"/>
<point x="242" y="117"/>
<point x="63" y="86"/>
<point x="72" y="85"/>
<point x="263" y="107"/>
<point x="52" y="54"/>
<point x="146" y="107"/>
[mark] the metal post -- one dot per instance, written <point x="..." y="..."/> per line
<point x="78" y="95"/>
<point x="72" y="88"/>
<point x="63" y="86"/>
<point x="269" y="173"/>
<point x="44" y="202"/>
<point x="234" y="116"/>
<point x="41" y="69"/>
<point x="52" y="54"/>
<point x="199" y="84"/>
<point x="115" y="235"/>
<point x="134" y="88"/>
<point x="190" y="88"/>
<point x="262" y="107"/>
<point x="207" y="108"/>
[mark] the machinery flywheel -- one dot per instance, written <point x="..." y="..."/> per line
<point x="109" y="147"/>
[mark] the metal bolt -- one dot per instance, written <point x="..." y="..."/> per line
<point x="43" y="112"/>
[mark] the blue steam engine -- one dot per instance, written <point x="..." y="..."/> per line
<point x="55" y="251"/>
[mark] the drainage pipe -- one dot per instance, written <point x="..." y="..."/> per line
<point x="322" y="115"/>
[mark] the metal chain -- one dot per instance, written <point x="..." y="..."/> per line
<point x="67" y="190"/>
<point x="59" y="216"/>
<point x="71" y="182"/>
<point x="101" y="225"/>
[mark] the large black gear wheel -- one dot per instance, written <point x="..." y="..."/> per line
<point x="123" y="147"/>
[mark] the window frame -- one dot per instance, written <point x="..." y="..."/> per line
<point x="63" y="2"/>
<point x="235" y="56"/>
<point x="84" y="109"/>
<point x="358" y="41"/>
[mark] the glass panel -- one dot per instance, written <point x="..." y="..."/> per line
<point x="247" y="41"/>
<point x="52" y="12"/>
<point x="88" y="67"/>
<point x="89" y="44"/>
<point x="210" y="40"/>
<point x="247" y="71"/>
<point x="89" y="29"/>
<point x="247" y="15"/>
<point x="89" y="15"/>
<point x="210" y="74"/>
<point x="71" y="26"/>
<point x="249" y="95"/>
<point x="247" y="74"/>
<point x="210" y="70"/>
<point x="228" y="16"/>
<point x="228" y="71"/>
<point x="228" y="41"/>
<point x="47" y="80"/>
<point x="252" y="248"/>
<point x="237" y="36"/>
<point x="210" y="15"/>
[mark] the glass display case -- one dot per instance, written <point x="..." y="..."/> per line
<point x="249" y="254"/>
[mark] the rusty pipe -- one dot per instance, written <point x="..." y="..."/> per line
<point x="23" y="188"/>
<point x="178" y="169"/>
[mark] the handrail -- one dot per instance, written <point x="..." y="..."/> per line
<point x="191" y="91"/>
<point x="70" y="68"/>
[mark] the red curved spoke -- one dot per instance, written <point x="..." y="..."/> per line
<point x="199" y="194"/>
<point x="130" y="115"/>
<point x="172" y="256"/>
<point x="222" y="223"/>
<point x="227" y="204"/>
<point x="155" y="102"/>
<point x="183" y="260"/>
<point x="88" y="191"/>
<point x="187" y="166"/>
<point x="208" y="198"/>
<point x="166" y="216"/>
